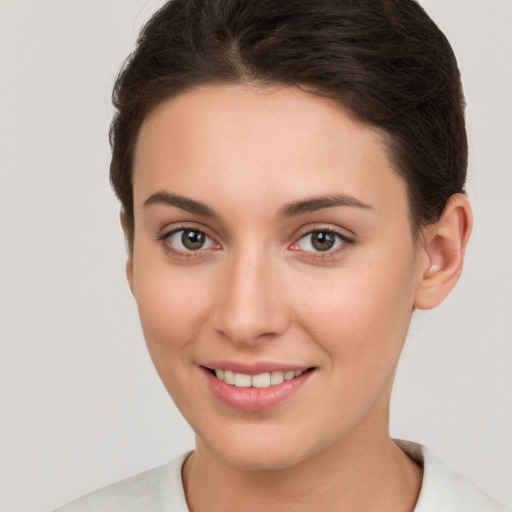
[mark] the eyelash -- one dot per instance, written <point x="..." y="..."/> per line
<point x="343" y="242"/>
<point x="166" y="237"/>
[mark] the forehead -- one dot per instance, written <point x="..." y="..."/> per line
<point x="281" y="142"/>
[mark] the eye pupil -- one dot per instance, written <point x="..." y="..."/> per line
<point x="192" y="240"/>
<point x="322" y="240"/>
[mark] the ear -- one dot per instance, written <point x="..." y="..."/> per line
<point x="127" y="237"/>
<point x="442" y="252"/>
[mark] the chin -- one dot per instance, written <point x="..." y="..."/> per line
<point x="258" y="460"/>
<point x="259" y="452"/>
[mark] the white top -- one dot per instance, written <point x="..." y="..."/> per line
<point x="161" y="490"/>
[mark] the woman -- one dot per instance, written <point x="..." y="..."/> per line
<point x="291" y="177"/>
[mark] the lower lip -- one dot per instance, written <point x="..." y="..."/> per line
<point x="254" y="399"/>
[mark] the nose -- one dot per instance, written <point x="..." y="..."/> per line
<point x="251" y="306"/>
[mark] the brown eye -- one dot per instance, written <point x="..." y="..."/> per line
<point x="323" y="240"/>
<point x="192" y="239"/>
<point x="188" y="240"/>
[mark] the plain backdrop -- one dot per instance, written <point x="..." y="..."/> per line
<point x="81" y="405"/>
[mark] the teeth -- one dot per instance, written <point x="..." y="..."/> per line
<point x="229" y="377"/>
<point x="262" y="380"/>
<point x="242" y="380"/>
<point x="276" y="378"/>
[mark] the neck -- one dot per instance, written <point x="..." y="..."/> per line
<point x="353" y="475"/>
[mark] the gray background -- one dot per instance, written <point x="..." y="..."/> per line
<point x="81" y="405"/>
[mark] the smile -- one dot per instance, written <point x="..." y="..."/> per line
<point x="262" y="380"/>
<point x="251" y="388"/>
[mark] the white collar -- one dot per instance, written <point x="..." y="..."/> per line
<point x="444" y="490"/>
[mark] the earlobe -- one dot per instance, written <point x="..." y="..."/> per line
<point x="443" y="253"/>
<point x="129" y="261"/>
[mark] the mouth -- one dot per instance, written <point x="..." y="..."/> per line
<point x="260" y="381"/>
<point x="258" y="390"/>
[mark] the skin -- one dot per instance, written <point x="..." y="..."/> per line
<point x="259" y="291"/>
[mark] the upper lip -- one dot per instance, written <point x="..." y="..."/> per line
<point x="254" y="368"/>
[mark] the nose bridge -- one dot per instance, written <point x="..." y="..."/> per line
<point x="250" y="304"/>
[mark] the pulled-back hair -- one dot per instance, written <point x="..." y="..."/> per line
<point x="385" y="61"/>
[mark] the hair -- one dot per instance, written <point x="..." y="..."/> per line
<point x="384" y="61"/>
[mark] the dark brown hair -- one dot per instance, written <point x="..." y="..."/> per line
<point x="384" y="60"/>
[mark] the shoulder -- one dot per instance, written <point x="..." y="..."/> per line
<point x="445" y="490"/>
<point x="157" y="490"/>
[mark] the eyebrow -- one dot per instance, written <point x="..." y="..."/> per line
<point x="301" y="207"/>
<point x="292" y="209"/>
<point x="182" y="202"/>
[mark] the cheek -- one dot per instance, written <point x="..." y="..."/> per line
<point x="172" y="307"/>
<point x="360" y="314"/>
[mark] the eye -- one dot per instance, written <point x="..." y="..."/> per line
<point x="321" y="241"/>
<point x="188" y="240"/>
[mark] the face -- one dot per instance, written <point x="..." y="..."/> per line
<point x="274" y="270"/>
